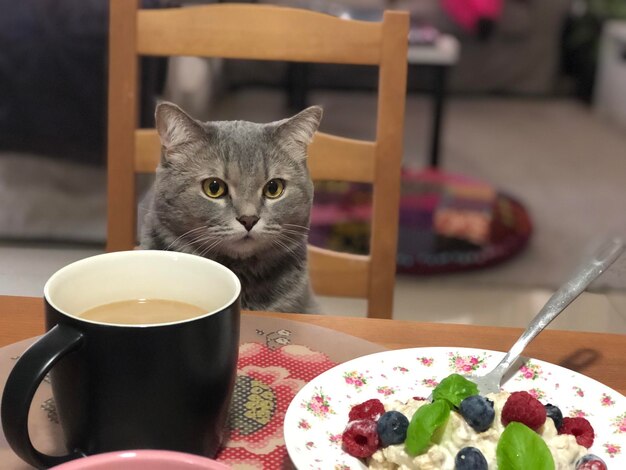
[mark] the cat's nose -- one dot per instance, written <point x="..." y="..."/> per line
<point x="248" y="221"/>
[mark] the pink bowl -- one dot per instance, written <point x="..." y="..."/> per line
<point x="143" y="460"/>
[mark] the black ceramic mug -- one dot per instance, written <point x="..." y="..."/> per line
<point x="120" y="386"/>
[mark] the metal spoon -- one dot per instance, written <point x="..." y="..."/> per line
<point x="606" y="255"/>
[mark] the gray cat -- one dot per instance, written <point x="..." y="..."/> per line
<point x="239" y="193"/>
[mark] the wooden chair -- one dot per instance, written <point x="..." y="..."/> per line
<point x="240" y="31"/>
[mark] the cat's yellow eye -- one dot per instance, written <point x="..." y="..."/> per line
<point x="214" y="188"/>
<point x="274" y="188"/>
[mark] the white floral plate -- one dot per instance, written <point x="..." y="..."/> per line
<point x="318" y="414"/>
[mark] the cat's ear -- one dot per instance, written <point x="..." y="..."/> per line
<point x="175" y="126"/>
<point x="300" y="128"/>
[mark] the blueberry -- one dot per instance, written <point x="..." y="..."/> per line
<point x="478" y="412"/>
<point x="391" y="428"/>
<point x="555" y="413"/>
<point x="470" y="458"/>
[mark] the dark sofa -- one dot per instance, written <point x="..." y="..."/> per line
<point x="53" y="78"/>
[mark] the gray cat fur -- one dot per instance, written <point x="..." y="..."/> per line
<point x="272" y="262"/>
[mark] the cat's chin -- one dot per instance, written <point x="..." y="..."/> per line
<point x="245" y="247"/>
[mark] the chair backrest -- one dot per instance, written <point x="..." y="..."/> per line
<point x="240" y="31"/>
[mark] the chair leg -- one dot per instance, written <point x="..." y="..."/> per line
<point x="439" y="94"/>
<point x="297" y="85"/>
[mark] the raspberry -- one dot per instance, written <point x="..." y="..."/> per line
<point x="590" y="462"/>
<point x="370" y="409"/>
<point x="360" y="438"/>
<point x="580" y="428"/>
<point x="524" y="408"/>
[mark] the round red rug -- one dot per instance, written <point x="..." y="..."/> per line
<point x="448" y="222"/>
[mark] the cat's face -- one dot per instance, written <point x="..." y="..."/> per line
<point x="234" y="188"/>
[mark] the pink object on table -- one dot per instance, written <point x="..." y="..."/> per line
<point x="143" y="460"/>
<point x="467" y="13"/>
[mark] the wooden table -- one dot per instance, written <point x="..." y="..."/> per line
<point x="597" y="355"/>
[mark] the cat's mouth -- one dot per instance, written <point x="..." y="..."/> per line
<point x="246" y="245"/>
<point x="248" y="238"/>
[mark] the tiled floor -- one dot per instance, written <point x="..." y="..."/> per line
<point x="25" y="268"/>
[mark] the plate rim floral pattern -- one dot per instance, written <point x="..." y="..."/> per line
<point x="313" y="439"/>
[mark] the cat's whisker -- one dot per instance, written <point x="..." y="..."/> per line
<point x="197" y="245"/>
<point x="290" y="250"/>
<point x="206" y="236"/>
<point x="290" y="242"/>
<point x="202" y="239"/>
<point x="293" y="236"/>
<point x="202" y="242"/>
<point x="303" y="227"/>
<point x="202" y="236"/>
<point x="213" y="245"/>
<point x="282" y="247"/>
<point x="294" y="232"/>
<point x="184" y="235"/>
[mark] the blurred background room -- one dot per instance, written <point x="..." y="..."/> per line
<point x="514" y="148"/>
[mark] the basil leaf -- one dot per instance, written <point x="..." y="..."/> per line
<point x="521" y="448"/>
<point x="454" y="389"/>
<point x="424" y="423"/>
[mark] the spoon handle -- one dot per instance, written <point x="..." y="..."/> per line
<point x="606" y="255"/>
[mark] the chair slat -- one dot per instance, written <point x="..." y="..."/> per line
<point x="147" y="150"/>
<point x="297" y="35"/>
<point x="331" y="158"/>
<point x="338" y="274"/>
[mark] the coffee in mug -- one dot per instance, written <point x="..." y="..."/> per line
<point x="142" y="312"/>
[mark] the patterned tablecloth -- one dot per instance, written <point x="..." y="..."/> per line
<point x="276" y="358"/>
